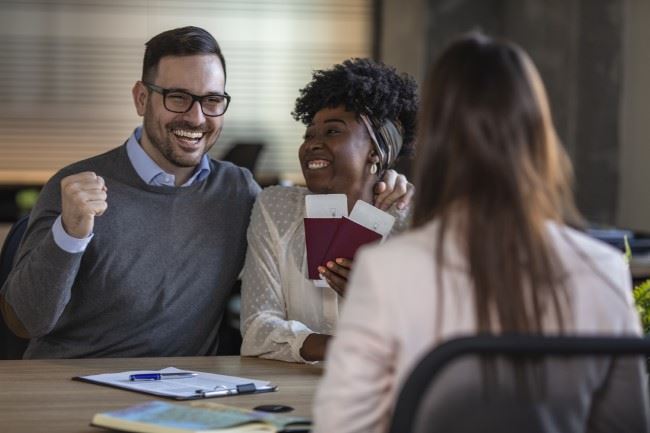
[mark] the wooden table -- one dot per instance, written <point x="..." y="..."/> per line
<point x="39" y="395"/>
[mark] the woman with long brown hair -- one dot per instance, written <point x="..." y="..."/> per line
<point x="492" y="251"/>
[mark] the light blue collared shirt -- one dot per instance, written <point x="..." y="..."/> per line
<point x="149" y="172"/>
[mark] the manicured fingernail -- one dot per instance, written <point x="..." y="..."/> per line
<point x="330" y="264"/>
<point x="321" y="269"/>
<point x="339" y="261"/>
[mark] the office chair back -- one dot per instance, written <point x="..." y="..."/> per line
<point x="244" y="155"/>
<point x="448" y="389"/>
<point x="11" y="347"/>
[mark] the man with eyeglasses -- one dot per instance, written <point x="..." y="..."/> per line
<point x="134" y="252"/>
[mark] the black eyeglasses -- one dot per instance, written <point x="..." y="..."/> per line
<point x="179" y="101"/>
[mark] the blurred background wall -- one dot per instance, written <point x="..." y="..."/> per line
<point x="67" y="66"/>
<point x="590" y="54"/>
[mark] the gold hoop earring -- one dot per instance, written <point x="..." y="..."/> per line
<point x="373" y="169"/>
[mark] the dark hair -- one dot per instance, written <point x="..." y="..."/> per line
<point x="490" y="166"/>
<point x="363" y="86"/>
<point x="183" y="41"/>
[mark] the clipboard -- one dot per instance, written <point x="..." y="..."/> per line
<point x="203" y="385"/>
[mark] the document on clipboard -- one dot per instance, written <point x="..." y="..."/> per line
<point x="178" y="384"/>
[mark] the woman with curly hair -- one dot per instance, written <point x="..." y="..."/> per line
<point x="360" y="116"/>
<point x="492" y="251"/>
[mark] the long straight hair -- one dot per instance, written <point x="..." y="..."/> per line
<point x="490" y="168"/>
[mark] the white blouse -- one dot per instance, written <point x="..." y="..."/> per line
<point x="280" y="305"/>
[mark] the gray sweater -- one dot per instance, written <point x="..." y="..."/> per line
<point x="155" y="277"/>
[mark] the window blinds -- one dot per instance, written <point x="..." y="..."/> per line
<point x="68" y="66"/>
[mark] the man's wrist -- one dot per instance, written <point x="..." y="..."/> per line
<point x="66" y="242"/>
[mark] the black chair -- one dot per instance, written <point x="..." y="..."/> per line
<point x="230" y="338"/>
<point x="11" y="347"/>
<point x="413" y="412"/>
<point x="244" y="155"/>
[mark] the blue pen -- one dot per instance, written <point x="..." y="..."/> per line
<point x="161" y="376"/>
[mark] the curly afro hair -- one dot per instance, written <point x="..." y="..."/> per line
<point x="363" y="86"/>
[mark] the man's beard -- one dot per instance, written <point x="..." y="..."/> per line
<point x="162" y="144"/>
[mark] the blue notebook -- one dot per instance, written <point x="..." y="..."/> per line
<point x="162" y="417"/>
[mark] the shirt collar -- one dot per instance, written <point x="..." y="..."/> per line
<point x="151" y="173"/>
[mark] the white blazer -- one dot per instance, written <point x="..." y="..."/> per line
<point x="390" y="320"/>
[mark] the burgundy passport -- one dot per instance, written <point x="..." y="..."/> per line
<point x="349" y="237"/>
<point x="319" y="232"/>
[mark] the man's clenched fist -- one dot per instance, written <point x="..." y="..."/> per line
<point x="83" y="196"/>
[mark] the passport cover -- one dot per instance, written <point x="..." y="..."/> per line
<point x="349" y="237"/>
<point x="319" y="232"/>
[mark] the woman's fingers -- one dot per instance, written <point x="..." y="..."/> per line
<point x="336" y="274"/>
